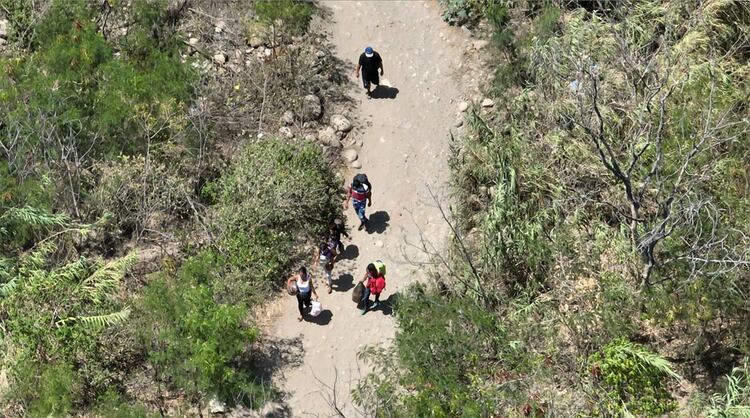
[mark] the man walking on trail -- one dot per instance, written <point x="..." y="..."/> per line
<point x="360" y="193"/>
<point x="369" y="62"/>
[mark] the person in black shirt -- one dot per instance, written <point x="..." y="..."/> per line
<point x="369" y="62"/>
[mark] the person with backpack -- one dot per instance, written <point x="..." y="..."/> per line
<point x="360" y="193"/>
<point x="305" y="289"/>
<point x="326" y="258"/>
<point x="337" y="229"/>
<point x="374" y="282"/>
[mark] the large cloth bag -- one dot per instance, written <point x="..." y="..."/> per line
<point x="358" y="292"/>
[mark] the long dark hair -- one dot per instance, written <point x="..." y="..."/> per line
<point x="303" y="272"/>
<point x="372" y="270"/>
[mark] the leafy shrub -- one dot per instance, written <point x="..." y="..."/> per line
<point x="735" y="401"/>
<point x="72" y="100"/>
<point x="139" y="194"/>
<point x="275" y="196"/>
<point x="635" y="378"/>
<point x="288" y="17"/>
<point x="460" y="12"/>
<point x="196" y="345"/>
<point x="77" y="302"/>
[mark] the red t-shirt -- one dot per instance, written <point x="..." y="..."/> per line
<point x="376" y="284"/>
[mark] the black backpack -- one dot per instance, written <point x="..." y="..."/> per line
<point x="360" y="179"/>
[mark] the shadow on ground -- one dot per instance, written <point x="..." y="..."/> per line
<point x="273" y="354"/>
<point x="384" y="92"/>
<point x="344" y="283"/>
<point x="324" y="318"/>
<point x="378" y="222"/>
<point x="387" y="306"/>
<point x="350" y="252"/>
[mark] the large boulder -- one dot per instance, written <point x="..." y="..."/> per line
<point x="312" y="109"/>
<point x="341" y="123"/>
<point x="327" y="136"/>
<point x="350" y="155"/>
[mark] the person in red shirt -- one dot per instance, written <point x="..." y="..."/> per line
<point x="374" y="284"/>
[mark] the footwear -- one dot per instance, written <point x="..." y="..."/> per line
<point x="375" y="305"/>
<point x="363" y="311"/>
<point x="329" y="290"/>
<point x="361" y="226"/>
<point x="299" y="318"/>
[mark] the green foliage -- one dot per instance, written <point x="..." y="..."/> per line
<point x="735" y="401"/>
<point x="460" y="12"/>
<point x="275" y="196"/>
<point x="291" y="17"/>
<point x="74" y="97"/>
<point x="195" y="344"/>
<point x="55" y="318"/>
<point x="636" y="379"/>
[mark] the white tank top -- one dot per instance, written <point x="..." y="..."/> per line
<point x="303" y="286"/>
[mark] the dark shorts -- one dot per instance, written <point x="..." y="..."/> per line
<point x="370" y="78"/>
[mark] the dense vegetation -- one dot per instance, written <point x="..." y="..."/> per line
<point x="132" y="244"/>
<point x="604" y="203"/>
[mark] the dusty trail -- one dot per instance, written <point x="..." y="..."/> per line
<point x="405" y="145"/>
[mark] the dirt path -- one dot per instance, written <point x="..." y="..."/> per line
<point x="405" y="145"/>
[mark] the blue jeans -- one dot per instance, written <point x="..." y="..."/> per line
<point x="365" y="298"/>
<point x="359" y="207"/>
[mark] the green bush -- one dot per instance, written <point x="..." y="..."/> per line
<point x="196" y="345"/>
<point x="78" y="303"/>
<point x="290" y="17"/>
<point x="275" y="196"/>
<point x="636" y="379"/>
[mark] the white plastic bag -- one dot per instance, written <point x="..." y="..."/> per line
<point x="315" y="308"/>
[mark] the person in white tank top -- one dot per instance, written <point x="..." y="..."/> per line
<point x="305" y="289"/>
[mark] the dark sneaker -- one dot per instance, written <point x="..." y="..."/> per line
<point x="361" y="226"/>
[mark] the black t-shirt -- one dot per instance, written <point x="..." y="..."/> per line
<point x="371" y="64"/>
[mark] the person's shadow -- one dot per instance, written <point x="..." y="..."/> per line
<point x="323" y="318"/>
<point x="387" y="306"/>
<point x="344" y="283"/>
<point x="378" y="222"/>
<point x="384" y="92"/>
<point x="350" y="252"/>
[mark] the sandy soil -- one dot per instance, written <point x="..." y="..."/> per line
<point x="405" y="146"/>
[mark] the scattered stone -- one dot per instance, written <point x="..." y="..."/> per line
<point x="255" y="42"/>
<point x="220" y="58"/>
<point x="310" y="137"/>
<point x="378" y="243"/>
<point x="272" y="409"/>
<point x="350" y="155"/>
<point x="480" y="44"/>
<point x="220" y="26"/>
<point x="268" y="52"/>
<point x="466" y="30"/>
<point x="311" y="108"/>
<point x="287" y="118"/>
<point x="238" y="55"/>
<point x="327" y="136"/>
<point x="320" y="53"/>
<point x="459" y="123"/>
<point x="487" y="102"/>
<point x="341" y="123"/>
<point x="216" y="407"/>
<point x="193" y="42"/>
<point x="286" y="132"/>
<point x="356" y="165"/>
<point x="463" y="107"/>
